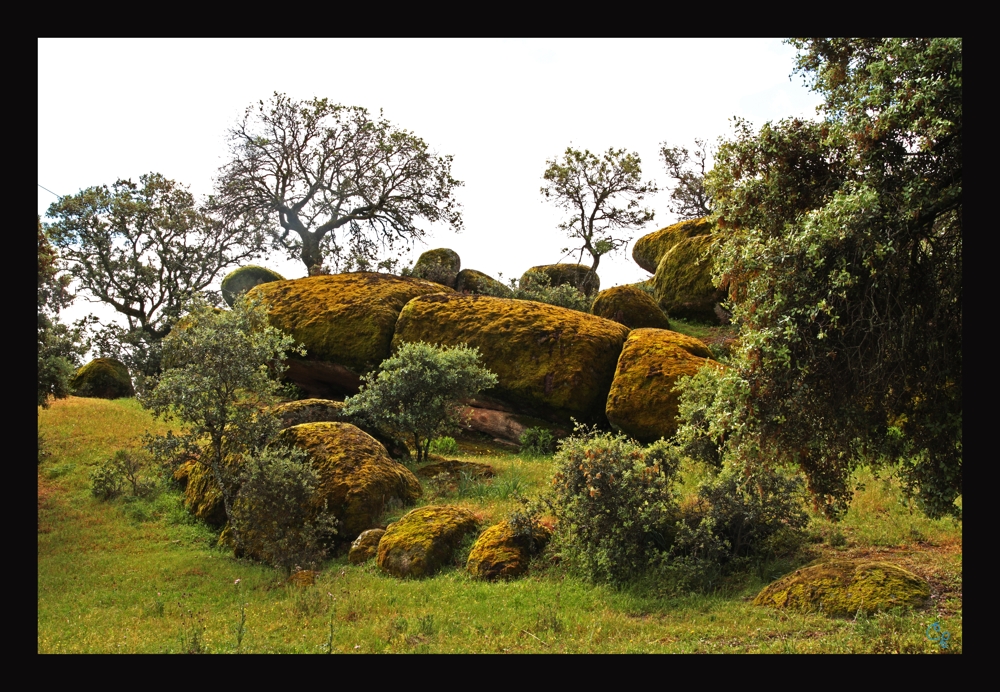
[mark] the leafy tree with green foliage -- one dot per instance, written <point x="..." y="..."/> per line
<point x="841" y="242"/>
<point x="59" y="346"/>
<point x="144" y="249"/>
<point x="601" y="194"/>
<point x="415" y="392"/>
<point x="688" y="198"/>
<point x="327" y="180"/>
<point x="221" y="370"/>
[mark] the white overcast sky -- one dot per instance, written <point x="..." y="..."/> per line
<point x="118" y="108"/>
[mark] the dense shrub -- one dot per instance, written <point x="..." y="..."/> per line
<point x="537" y="442"/>
<point x="119" y="473"/>
<point x="538" y="286"/>
<point x="444" y="445"/>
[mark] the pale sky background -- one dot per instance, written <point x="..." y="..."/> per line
<point x="119" y="108"/>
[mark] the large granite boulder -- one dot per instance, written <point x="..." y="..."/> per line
<point x="357" y="478"/>
<point x="365" y="546"/>
<point x="501" y="552"/>
<point x="472" y="281"/>
<point x="642" y="402"/>
<point x="440" y="266"/>
<point x="102" y="378"/>
<point x="551" y="362"/>
<point x="424" y="540"/>
<point x="846" y="587"/>
<point x="578" y="275"/>
<point x="346" y="322"/>
<point x="239" y="281"/>
<point x="683" y="281"/>
<point x="202" y="496"/>
<point x="649" y="249"/>
<point x="630" y="306"/>
<point x="324" y="410"/>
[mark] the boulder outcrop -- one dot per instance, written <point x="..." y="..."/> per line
<point x="578" y="275"/>
<point x="424" y="540"/>
<point x="472" y="281"/>
<point x="649" y="249"/>
<point x="683" y="281"/>
<point x="551" y="362"/>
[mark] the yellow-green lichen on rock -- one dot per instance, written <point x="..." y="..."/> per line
<point x="500" y="553"/>
<point x="577" y="275"/>
<point x="102" y="378"/>
<point x="324" y="410"/>
<point x="440" y="266"/>
<point x="424" y="540"/>
<point x="642" y="401"/>
<point x="365" y="546"/>
<point x="346" y="319"/>
<point x="472" y="281"/>
<point x="202" y="496"/>
<point x="649" y="249"/>
<point x="683" y="280"/>
<point x="357" y="478"/>
<point x="549" y="361"/>
<point x="239" y="281"/>
<point x="845" y="587"/>
<point x="630" y="306"/>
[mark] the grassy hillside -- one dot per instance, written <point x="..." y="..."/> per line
<point x="143" y="576"/>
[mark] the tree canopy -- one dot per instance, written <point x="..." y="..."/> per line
<point x="59" y="347"/>
<point x="841" y="243"/>
<point x="327" y="180"/>
<point x="688" y="198"/>
<point x="601" y="194"/>
<point x="144" y="249"/>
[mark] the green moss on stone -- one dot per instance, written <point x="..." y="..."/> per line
<point x="843" y="588"/>
<point x="440" y="266"/>
<point x="239" y="281"/>
<point x="642" y="401"/>
<point x="472" y="281"/>
<point x="424" y="540"/>
<point x="630" y="306"/>
<point x="683" y="280"/>
<point x="577" y="275"/>
<point x="649" y="249"/>
<point x="548" y="360"/>
<point x="347" y="319"/>
<point x="365" y="546"/>
<point x="499" y="553"/>
<point x="309" y="411"/>
<point x="357" y="478"/>
<point x="102" y="378"/>
<point x="202" y="496"/>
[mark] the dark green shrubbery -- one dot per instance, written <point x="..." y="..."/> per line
<point x="620" y="514"/>
<point x="538" y="442"/>
<point x="125" y="471"/>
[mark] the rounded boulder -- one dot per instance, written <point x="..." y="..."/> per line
<point x="649" y="249"/>
<point x="102" y="378"/>
<point x="845" y="587"/>
<point x="630" y="306"/>
<point x="472" y="281"/>
<point x="578" y="275"/>
<point x="357" y="477"/>
<point x="239" y="281"/>
<point x="365" y="546"/>
<point x="549" y="361"/>
<point x="683" y="281"/>
<point x="502" y="553"/>
<point x="642" y="402"/>
<point x="424" y="540"/>
<point x="440" y="266"/>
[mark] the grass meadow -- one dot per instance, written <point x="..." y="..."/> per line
<point x="143" y="576"/>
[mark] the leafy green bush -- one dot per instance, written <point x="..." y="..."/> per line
<point x="443" y="445"/>
<point x="416" y="391"/>
<point x="538" y="287"/>
<point x="538" y="442"/>
<point x="113" y="476"/>
<point x="614" y="502"/>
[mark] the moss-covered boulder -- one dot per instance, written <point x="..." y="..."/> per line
<point x="440" y="266"/>
<point x="365" y="546"/>
<point x="102" y="378"/>
<point x="578" y="275"/>
<point x="472" y="281"/>
<point x="642" y="402"/>
<point x="346" y="322"/>
<point x="549" y="361"/>
<point x="424" y="540"/>
<point x="202" y="496"/>
<point x="324" y="410"/>
<point x="357" y="478"/>
<point x="844" y="587"/>
<point x="239" y="281"/>
<point x="683" y="281"/>
<point x="502" y="553"/>
<point x="649" y="249"/>
<point x="630" y="306"/>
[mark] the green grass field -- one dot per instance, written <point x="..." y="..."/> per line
<point x="142" y="576"/>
